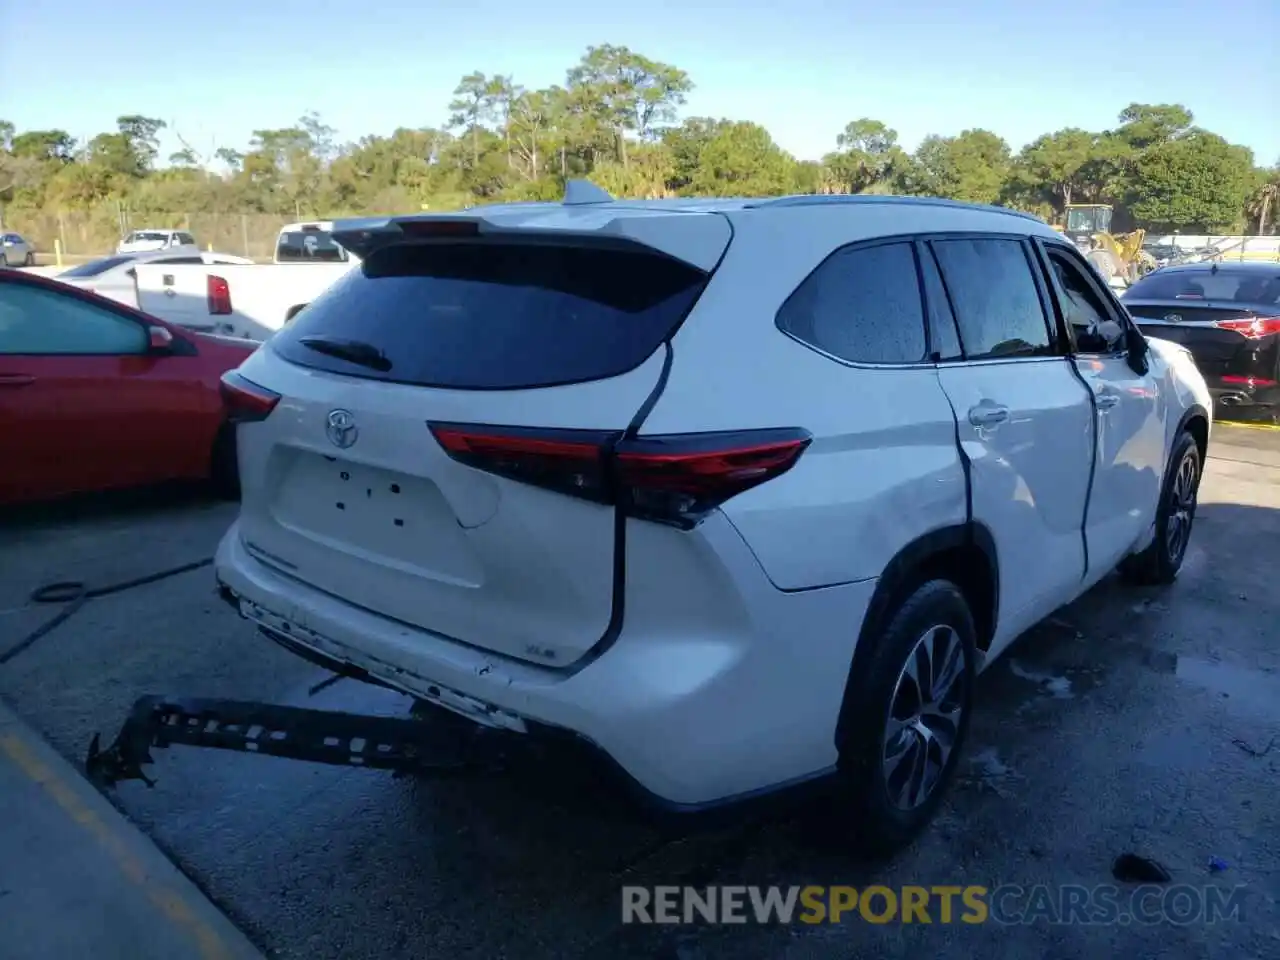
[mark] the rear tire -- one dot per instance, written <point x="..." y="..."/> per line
<point x="1160" y="562"/>
<point x="224" y="464"/>
<point x="912" y="697"/>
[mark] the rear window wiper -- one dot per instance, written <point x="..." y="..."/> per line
<point x="353" y="351"/>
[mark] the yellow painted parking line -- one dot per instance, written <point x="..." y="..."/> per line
<point x="167" y="900"/>
<point x="1247" y="426"/>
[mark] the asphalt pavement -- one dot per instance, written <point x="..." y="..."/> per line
<point x="1143" y="721"/>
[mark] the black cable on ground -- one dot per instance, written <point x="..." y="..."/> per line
<point x="76" y="594"/>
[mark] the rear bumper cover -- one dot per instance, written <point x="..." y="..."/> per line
<point x="1246" y="396"/>
<point x="692" y="720"/>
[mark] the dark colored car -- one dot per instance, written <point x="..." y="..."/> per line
<point x="1228" y="316"/>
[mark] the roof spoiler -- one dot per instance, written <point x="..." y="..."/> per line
<point x="585" y="216"/>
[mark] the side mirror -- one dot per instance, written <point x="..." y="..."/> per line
<point x="161" y="340"/>
<point x="1138" y="349"/>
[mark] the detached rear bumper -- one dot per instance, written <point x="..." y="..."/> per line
<point x="694" y="719"/>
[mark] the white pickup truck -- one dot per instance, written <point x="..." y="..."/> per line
<point x="246" y="300"/>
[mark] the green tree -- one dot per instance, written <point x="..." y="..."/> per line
<point x="972" y="166"/>
<point x="1144" y="125"/>
<point x="1196" y="183"/>
<point x="630" y="94"/>
<point x="741" y="159"/>
<point x="867" y="154"/>
<point x="1054" y="167"/>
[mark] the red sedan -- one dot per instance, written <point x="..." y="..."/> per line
<point x="95" y="395"/>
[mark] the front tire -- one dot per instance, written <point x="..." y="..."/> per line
<point x="1160" y="562"/>
<point x="29" y="260"/>
<point x="911" y="699"/>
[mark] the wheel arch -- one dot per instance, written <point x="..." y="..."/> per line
<point x="1195" y="419"/>
<point x="964" y="554"/>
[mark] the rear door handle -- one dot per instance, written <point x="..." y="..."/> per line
<point x="1107" y="400"/>
<point x="988" y="414"/>
<point x="15" y="380"/>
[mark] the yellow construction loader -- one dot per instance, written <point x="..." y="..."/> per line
<point x="1116" y="257"/>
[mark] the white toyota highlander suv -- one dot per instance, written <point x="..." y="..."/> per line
<point x="742" y="493"/>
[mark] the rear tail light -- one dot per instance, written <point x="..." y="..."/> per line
<point x="244" y="401"/>
<point x="218" y="292"/>
<point x="1248" y="381"/>
<point x="675" y="479"/>
<point x="1252" y="327"/>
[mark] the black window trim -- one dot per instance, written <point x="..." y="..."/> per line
<point x="1105" y="296"/>
<point x="1058" y="346"/>
<point x="910" y="240"/>
<point x="182" y="346"/>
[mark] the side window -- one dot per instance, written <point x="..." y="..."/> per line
<point x="38" y="322"/>
<point x="186" y="238"/>
<point x="862" y="305"/>
<point x="944" y="338"/>
<point x="1091" y="322"/>
<point x="995" y="297"/>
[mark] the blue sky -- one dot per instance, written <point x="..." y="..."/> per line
<point x="803" y="68"/>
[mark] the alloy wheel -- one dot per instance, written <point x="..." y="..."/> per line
<point x="924" y="719"/>
<point x="1182" y="508"/>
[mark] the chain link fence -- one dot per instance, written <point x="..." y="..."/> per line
<point x="85" y="234"/>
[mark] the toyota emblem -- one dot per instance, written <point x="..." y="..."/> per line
<point x="341" y="428"/>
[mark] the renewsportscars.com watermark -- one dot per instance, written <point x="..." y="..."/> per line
<point x="1179" y="904"/>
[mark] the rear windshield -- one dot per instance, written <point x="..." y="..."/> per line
<point x="308" y="245"/>
<point x="1239" y="286"/>
<point x="147" y="235"/>
<point x="498" y="316"/>
<point x="95" y="267"/>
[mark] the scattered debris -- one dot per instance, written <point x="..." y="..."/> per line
<point x="1057" y="687"/>
<point x="1254" y="751"/>
<point x="1131" y="868"/>
<point x="988" y="772"/>
<point x="1217" y="864"/>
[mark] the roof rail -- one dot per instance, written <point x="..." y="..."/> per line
<point x="840" y="199"/>
<point x="584" y="191"/>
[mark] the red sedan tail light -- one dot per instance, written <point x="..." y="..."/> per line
<point x="1252" y="327"/>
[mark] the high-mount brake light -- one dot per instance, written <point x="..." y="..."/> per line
<point x="218" y="293"/>
<point x="439" y="228"/>
<point x="675" y="479"/>
<point x="1252" y="327"/>
<point x="245" y="401"/>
